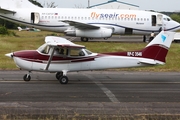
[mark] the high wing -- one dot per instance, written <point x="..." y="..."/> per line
<point x="6" y="11"/>
<point x="61" y="42"/>
<point x="81" y="25"/>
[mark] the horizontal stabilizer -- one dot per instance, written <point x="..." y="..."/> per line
<point x="6" y="11"/>
<point x="150" y="62"/>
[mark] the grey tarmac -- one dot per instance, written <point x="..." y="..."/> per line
<point x="94" y="92"/>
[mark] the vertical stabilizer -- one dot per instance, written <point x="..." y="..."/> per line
<point x="157" y="49"/>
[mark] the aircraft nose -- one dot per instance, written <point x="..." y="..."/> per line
<point x="9" y="55"/>
<point x="178" y="26"/>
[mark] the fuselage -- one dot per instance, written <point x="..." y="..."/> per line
<point x="121" y="21"/>
<point x="35" y="61"/>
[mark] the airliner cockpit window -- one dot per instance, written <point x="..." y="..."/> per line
<point x="168" y="19"/>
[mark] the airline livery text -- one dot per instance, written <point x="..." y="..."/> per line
<point x="114" y="15"/>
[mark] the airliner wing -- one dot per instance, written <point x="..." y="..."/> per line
<point x="80" y="25"/>
<point x="6" y="11"/>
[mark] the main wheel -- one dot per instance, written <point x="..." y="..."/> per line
<point x="59" y="74"/>
<point x="84" y="39"/>
<point x="63" y="80"/>
<point x="27" y="77"/>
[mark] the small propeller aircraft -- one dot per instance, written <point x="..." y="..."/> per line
<point x="61" y="56"/>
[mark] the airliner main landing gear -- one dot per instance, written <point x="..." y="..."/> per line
<point x="83" y="39"/>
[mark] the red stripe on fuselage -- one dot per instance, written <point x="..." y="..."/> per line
<point x="34" y="56"/>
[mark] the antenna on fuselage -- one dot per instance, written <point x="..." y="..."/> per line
<point x="88" y="3"/>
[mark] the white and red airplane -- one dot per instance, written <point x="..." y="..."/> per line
<point x="86" y="23"/>
<point x="61" y="56"/>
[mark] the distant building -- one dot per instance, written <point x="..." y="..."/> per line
<point x="114" y="4"/>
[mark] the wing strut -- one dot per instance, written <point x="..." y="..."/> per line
<point x="50" y="59"/>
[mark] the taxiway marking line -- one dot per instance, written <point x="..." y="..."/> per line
<point x="109" y="94"/>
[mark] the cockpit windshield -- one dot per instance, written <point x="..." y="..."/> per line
<point x="167" y="18"/>
<point x="44" y="49"/>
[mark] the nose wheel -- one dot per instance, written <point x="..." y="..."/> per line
<point x="27" y="77"/>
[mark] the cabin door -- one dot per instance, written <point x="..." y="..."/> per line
<point x="35" y="17"/>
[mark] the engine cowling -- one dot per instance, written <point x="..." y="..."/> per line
<point x="94" y="33"/>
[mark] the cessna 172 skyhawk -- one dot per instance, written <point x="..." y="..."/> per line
<point x="61" y="56"/>
<point x="86" y="23"/>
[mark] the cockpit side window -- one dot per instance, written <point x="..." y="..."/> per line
<point x="60" y="52"/>
<point x="77" y="52"/>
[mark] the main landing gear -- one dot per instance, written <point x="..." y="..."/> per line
<point x="83" y="39"/>
<point x="63" y="79"/>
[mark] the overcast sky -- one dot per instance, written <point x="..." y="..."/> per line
<point x="157" y="5"/>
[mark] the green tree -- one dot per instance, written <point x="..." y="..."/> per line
<point x="175" y="17"/>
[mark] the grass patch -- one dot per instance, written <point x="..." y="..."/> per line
<point x="32" y="40"/>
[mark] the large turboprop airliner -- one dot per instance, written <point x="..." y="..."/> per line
<point x="86" y="23"/>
